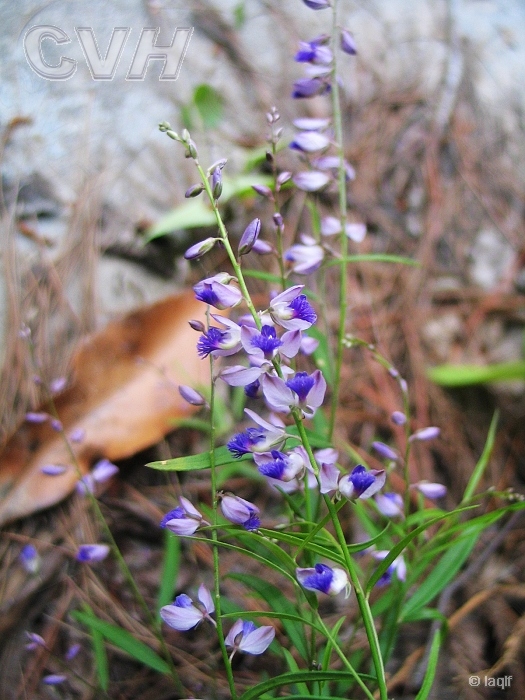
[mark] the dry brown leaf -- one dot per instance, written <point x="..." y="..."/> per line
<point x="124" y="396"/>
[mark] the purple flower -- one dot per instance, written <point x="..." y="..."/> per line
<point x="101" y="472"/>
<point x="311" y="180"/>
<point x="252" y="389"/>
<point x="260" y="439"/>
<point x="347" y="43"/>
<point x="53" y="469"/>
<point x="218" y="342"/>
<point x="292" y="310"/>
<point x="192" y="396"/>
<point x="397" y="567"/>
<point x="72" y="652"/>
<point x="324" y="579"/>
<point x="183" y="614"/>
<point x="281" y="466"/>
<point x="430" y="490"/>
<point x="35" y="641"/>
<point x="241" y="512"/>
<point x="355" y="232"/>
<point x="302" y="390"/>
<point x="92" y="552"/>
<point x="199" y="249"/>
<point x="309" y="87"/>
<point x="398" y="418"/>
<point x="245" y="636"/>
<point x="309" y="141"/>
<point x="332" y="163"/>
<point x="217" y="291"/>
<point x="183" y="520"/>
<point x="262" y="247"/>
<point x="77" y="435"/>
<point x="29" y="559"/>
<point x="362" y="483"/>
<point x="36" y="416"/>
<point x="389" y="504"/>
<point x="54" y="679"/>
<point x="385" y="451"/>
<point x="263" y="343"/>
<point x="425" y="434"/>
<point x="317" y="4"/>
<point x="330" y="226"/>
<point x="249" y="237"/>
<point x="314" y="52"/>
<point x="306" y="257"/>
<point x="308" y="345"/>
<point x="263" y="190"/>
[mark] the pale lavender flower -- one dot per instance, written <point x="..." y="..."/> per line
<point x="239" y="511"/>
<point x="347" y="43"/>
<point x="36" y="416"/>
<point x="261" y="439"/>
<point x="239" y="375"/>
<point x="309" y="141"/>
<point x="89" y="553"/>
<point x="102" y="471"/>
<point x="199" y="249"/>
<point x="29" y="559"/>
<point x="325" y="579"/>
<point x="355" y="232"/>
<point x="218" y="342"/>
<point x="53" y="469"/>
<point x="35" y="641"/>
<point x="183" y="520"/>
<point x="430" y="490"/>
<point x="265" y="344"/>
<point x="54" y="679"/>
<point x="330" y="226"/>
<point x="389" y="504"/>
<point x="292" y="310"/>
<point x="192" y="396"/>
<point x="308" y="345"/>
<point x="397" y="567"/>
<point x="183" y="614"/>
<point x="385" y="451"/>
<point x="249" y="237"/>
<point x="306" y="257"/>
<point x="332" y="163"/>
<point x="280" y="465"/>
<point x="217" y="291"/>
<point x="56" y="425"/>
<point x="262" y="247"/>
<point x="311" y="124"/>
<point x="398" y="418"/>
<point x="361" y="483"/>
<point x="302" y="390"/>
<point x="314" y="52"/>
<point x="311" y="180"/>
<point x="57" y="385"/>
<point x="425" y="434"/>
<point x="246" y="637"/>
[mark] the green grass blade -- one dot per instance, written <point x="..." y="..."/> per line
<point x="467" y="375"/>
<point x="300" y="677"/>
<point x="480" y="467"/>
<point x="191" y="463"/>
<point x="430" y="674"/>
<point x="374" y="257"/>
<point x="170" y="569"/>
<point x="99" y="653"/>
<point x="122" y="639"/>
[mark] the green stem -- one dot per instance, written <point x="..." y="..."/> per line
<point x="343" y="282"/>
<point x="214" y="538"/>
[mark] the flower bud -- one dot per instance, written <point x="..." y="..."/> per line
<point x="173" y="135"/>
<point x="194" y="190"/>
<point x="164" y="126"/>
<point x="250" y="235"/>
<point x="263" y="190"/>
<point x="191" y="150"/>
<point x="347" y="43"/>
<point x="199" y="249"/>
<point x="216" y="183"/>
<point x="197" y="326"/>
<point x="192" y="396"/>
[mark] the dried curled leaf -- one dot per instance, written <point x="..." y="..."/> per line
<point x="123" y="395"/>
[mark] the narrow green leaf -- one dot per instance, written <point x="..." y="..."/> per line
<point x="483" y="461"/>
<point x="329" y="645"/>
<point x="170" y="569"/>
<point x="192" y="463"/>
<point x="294" y="668"/>
<point x="430" y="674"/>
<point x="322" y="356"/>
<point x="374" y="257"/>
<point x="278" y="602"/>
<point x="297" y="541"/>
<point x="300" y="677"/>
<point x="99" y="652"/>
<point x="444" y="571"/>
<point x="122" y="639"/>
<point x="209" y="105"/>
<point x="466" y="375"/>
<point x="262" y="275"/>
